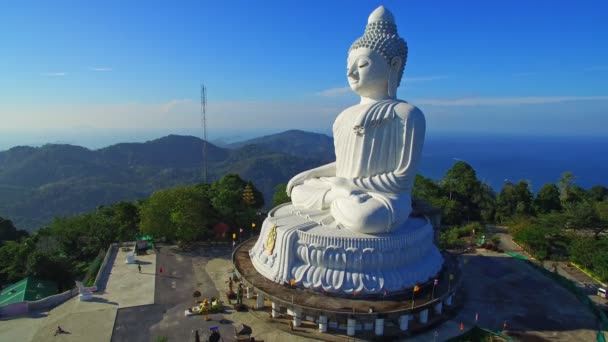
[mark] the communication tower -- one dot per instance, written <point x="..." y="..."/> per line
<point x="204" y="124"/>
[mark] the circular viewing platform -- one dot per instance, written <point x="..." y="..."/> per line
<point x="356" y="314"/>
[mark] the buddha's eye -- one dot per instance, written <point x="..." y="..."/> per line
<point x="363" y="64"/>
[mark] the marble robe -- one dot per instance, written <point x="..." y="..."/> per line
<point x="378" y="148"/>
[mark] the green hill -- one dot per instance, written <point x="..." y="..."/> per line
<point x="37" y="184"/>
<point x="295" y="142"/>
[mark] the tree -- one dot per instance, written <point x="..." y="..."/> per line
<point x="8" y="232"/>
<point x="591" y="253"/>
<point x="126" y="215"/>
<point x="598" y="193"/>
<point x="588" y="216"/>
<point x="451" y="213"/>
<point x="155" y="215"/>
<point x="514" y="200"/>
<point x="433" y="194"/>
<point x="547" y="199"/>
<point x="600" y="262"/>
<point x="192" y="215"/>
<point x="13" y="260"/>
<point x="227" y="195"/>
<point x="460" y="195"/>
<point x="487" y="203"/>
<point x="280" y="195"/>
<point x="524" y="199"/>
<point x="461" y="184"/>
<point x="51" y="267"/>
<point x="535" y="237"/>
<point x="427" y="189"/>
<point x="227" y="200"/>
<point x="577" y="195"/>
<point x="182" y="213"/>
<point x="506" y="203"/>
<point x="568" y="192"/>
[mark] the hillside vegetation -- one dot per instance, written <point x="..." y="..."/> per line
<point x="37" y="184"/>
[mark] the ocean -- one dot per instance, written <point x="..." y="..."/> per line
<point x="496" y="158"/>
<point x="499" y="159"/>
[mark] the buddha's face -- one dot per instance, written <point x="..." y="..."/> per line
<point x="367" y="73"/>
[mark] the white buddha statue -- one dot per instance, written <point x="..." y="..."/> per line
<point x="378" y="142"/>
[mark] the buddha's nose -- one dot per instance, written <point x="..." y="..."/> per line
<point x="352" y="71"/>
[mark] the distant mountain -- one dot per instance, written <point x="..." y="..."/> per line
<point x="227" y="140"/>
<point x="39" y="183"/>
<point x="296" y="143"/>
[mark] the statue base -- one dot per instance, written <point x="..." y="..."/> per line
<point x="308" y="248"/>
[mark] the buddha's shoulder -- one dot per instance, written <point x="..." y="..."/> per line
<point x="405" y="110"/>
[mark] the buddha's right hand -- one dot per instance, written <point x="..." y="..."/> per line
<point x="299" y="179"/>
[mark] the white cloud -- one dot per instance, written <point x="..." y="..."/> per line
<point x="176" y="104"/>
<point x="173" y="114"/>
<point x="506" y="101"/>
<point x="100" y="69"/>
<point x="335" y="92"/>
<point x="533" y="115"/>
<point x="53" y="74"/>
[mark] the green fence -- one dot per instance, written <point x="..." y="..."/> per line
<point x="518" y="256"/>
<point x="574" y="289"/>
<point x="496" y="333"/>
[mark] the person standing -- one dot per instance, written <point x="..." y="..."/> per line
<point x="139" y="268"/>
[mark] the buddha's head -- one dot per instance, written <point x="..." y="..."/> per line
<point x="377" y="59"/>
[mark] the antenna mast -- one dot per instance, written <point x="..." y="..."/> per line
<point x="204" y="124"/>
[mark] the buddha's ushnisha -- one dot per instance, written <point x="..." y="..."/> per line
<point x="378" y="142"/>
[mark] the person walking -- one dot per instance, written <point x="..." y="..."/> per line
<point x="59" y="330"/>
<point x="139" y="268"/>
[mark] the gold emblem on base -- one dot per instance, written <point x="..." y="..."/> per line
<point x="272" y="236"/>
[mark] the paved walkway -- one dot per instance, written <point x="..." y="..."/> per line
<point x="127" y="286"/>
<point x="93" y="320"/>
<point x="586" y="283"/>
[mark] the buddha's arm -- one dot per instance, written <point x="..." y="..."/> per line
<point x="327" y="170"/>
<point x="401" y="179"/>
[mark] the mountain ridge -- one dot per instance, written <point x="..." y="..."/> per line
<point x="39" y="183"/>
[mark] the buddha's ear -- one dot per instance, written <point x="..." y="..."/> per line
<point x="396" y="63"/>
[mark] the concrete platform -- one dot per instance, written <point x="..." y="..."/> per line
<point x="126" y="286"/>
<point x="92" y="320"/>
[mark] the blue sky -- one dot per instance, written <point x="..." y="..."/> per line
<point x="131" y="69"/>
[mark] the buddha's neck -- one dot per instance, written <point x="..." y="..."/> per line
<point x="367" y="100"/>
